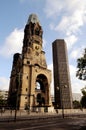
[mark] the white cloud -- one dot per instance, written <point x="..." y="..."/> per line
<point x="70" y="17"/>
<point x="44" y="43"/>
<point x="52" y="8"/>
<point x="76" y="53"/>
<point x="71" y="24"/>
<point x="59" y="7"/>
<point x="50" y="67"/>
<point x="71" y="40"/>
<point x="76" y="84"/>
<point x="13" y="43"/>
<point x="4" y="83"/>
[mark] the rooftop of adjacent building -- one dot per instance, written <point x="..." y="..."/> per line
<point x="76" y="96"/>
<point x="4" y="94"/>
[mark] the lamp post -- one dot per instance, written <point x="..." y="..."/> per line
<point x="62" y="105"/>
<point x="15" y="113"/>
<point x="17" y="91"/>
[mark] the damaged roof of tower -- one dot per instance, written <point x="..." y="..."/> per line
<point x="33" y="18"/>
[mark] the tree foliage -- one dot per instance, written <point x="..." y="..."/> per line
<point x="83" y="99"/>
<point x="81" y="65"/>
<point x="3" y="102"/>
<point x="76" y="104"/>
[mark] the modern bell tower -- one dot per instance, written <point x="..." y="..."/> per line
<point x="62" y="85"/>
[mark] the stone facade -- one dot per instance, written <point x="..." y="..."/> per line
<point x="30" y="79"/>
<point x="62" y="86"/>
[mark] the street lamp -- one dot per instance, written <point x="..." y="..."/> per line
<point x="18" y="81"/>
<point x="62" y="105"/>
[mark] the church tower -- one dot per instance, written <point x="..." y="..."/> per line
<point x="30" y="79"/>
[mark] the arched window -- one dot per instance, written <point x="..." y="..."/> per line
<point x="38" y="86"/>
<point x="37" y="32"/>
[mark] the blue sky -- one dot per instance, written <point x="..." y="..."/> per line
<point x="60" y="19"/>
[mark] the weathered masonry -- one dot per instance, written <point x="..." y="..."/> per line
<point x="30" y="79"/>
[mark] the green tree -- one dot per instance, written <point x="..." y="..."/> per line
<point x="1" y="100"/>
<point x="76" y="104"/>
<point x="83" y="99"/>
<point x="81" y="65"/>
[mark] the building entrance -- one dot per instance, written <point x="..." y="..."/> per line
<point x="41" y="90"/>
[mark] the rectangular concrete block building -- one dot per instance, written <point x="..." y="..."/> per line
<point x="62" y="85"/>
